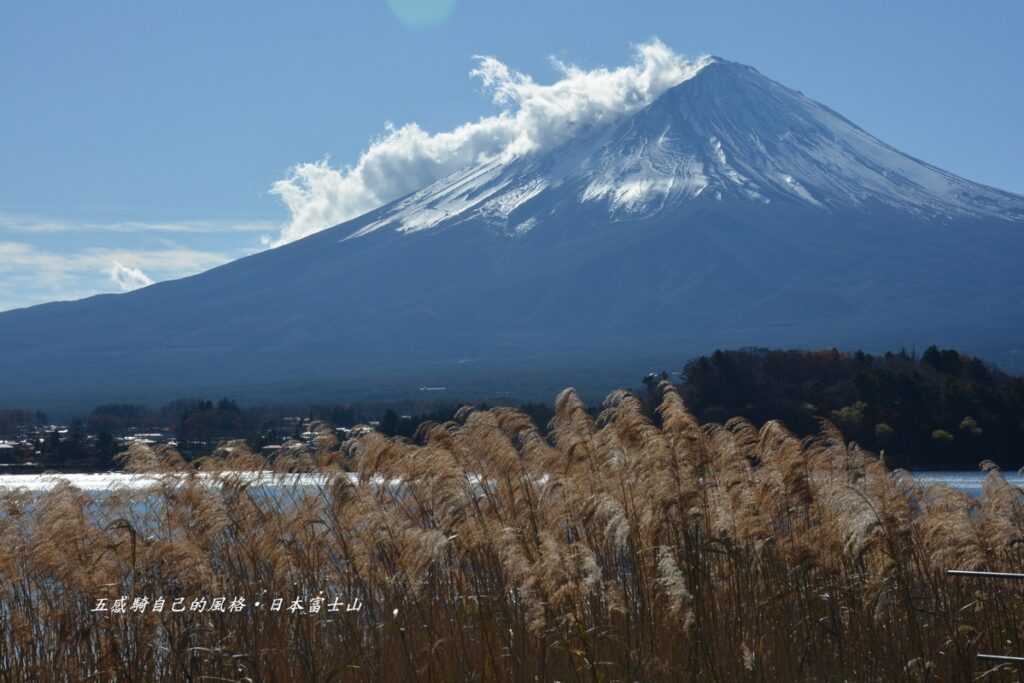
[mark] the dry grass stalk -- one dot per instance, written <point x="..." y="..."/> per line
<point x="630" y="546"/>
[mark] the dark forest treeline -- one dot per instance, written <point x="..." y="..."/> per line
<point x="11" y="419"/>
<point x="204" y="420"/>
<point x="393" y="424"/>
<point x="197" y="425"/>
<point x="942" y="409"/>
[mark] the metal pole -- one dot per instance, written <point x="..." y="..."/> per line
<point x="1019" y="661"/>
<point x="1002" y="658"/>
<point x="990" y="575"/>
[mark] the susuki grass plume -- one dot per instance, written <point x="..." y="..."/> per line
<point x="621" y="546"/>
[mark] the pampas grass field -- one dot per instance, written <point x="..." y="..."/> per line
<point x="637" y="545"/>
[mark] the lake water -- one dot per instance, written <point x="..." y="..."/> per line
<point x="968" y="481"/>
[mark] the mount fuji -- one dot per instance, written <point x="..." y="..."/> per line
<point x="731" y="211"/>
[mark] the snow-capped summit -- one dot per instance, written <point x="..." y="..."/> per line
<point x="730" y="211"/>
<point x="727" y="133"/>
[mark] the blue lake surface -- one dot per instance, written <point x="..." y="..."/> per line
<point x="969" y="481"/>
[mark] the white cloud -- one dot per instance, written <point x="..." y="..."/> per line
<point x="60" y="259"/>
<point x="37" y="224"/>
<point x="168" y="261"/>
<point x="128" y="278"/>
<point x="31" y="275"/>
<point x="533" y="117"/>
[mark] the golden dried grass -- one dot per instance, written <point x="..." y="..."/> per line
<point x="630" y="546"/>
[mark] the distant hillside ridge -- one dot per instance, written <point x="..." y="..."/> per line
<point x="941" y="409"/>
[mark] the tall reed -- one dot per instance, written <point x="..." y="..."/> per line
<point x="624" y="546"/>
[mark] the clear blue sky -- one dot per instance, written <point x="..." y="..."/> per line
<point x="148" y="134"/>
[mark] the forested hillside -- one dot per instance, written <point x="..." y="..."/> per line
<point x="939" y="409"/>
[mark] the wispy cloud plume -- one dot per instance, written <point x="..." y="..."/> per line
<point x="128" y="278"/>
<point x="30" y="274"/>
<point x="533" y="116"/>
<point x="37" y="224"/>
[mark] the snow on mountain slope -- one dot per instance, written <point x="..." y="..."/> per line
<point x="727" y="133"/>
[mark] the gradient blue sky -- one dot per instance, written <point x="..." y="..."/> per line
<point x="138" y="140"/>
